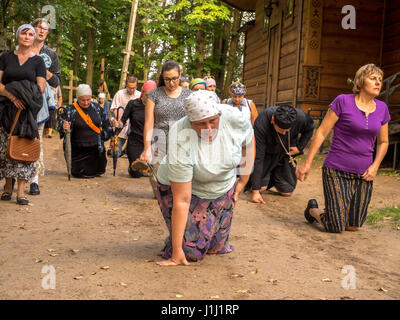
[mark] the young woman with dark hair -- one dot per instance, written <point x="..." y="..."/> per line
<point x="163" y="108"/>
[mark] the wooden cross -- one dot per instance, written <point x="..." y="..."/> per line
<point x="71" y="87"/>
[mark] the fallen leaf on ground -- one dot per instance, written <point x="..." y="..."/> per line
<point x="295" y="257"/>
<point x="74" y="251"/>
<point x="93" y="273"/>
<point x="179" y="296"/>
<point x="38" y="260"/>
<point x="149" y="260"/>
<point x="51" y="250"/>
<point x="383" y="290"/>
<point x="243" y="291"/>
<point x="105" y="268"/>
<point x="255" y="271"/>
<point x="214" y="297"/>
<point x="53" y="254"/>
<point x="78" y="277"/>
<point x="326" y="280"/>
<point x="321" y="298"/>
<point x="273" y="281"/>
<point x="123" y="284"/>
<point x="236" y="276"/>
<point x="347" y="298"/>
<point x="22" y="226"/>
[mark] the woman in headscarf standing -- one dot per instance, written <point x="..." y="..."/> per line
<point x="237" y="99"/>
<point x="22" y="82"/>
<point x="197" y="185"/>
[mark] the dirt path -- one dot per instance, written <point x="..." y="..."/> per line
<point x="80" y="226"/>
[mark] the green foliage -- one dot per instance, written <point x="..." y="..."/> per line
<point x="163" y="30"/>
<point x="379" y="216"/>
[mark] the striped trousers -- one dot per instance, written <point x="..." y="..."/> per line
<point x="347" y="197"/>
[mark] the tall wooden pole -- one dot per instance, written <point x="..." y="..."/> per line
<point x="128" y="48"/>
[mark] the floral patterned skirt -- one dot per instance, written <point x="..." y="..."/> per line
<point x="208" y="225"/>
<point x="10" y="168"/>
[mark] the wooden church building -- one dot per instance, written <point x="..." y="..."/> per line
<point x="302" y="52"/>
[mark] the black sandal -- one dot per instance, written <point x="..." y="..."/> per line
<point x="311" y="204"/>
<point x="22" y="200"/>
<point x="6" y="196"/>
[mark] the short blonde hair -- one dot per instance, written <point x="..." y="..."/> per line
<point x="362" y="73"/>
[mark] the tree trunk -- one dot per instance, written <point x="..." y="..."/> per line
<point x="77" y="51"/>
<point x="59" y="36"/>
<point x="201" y="45"/>
<point x="90" y="64"/>
<point x="237" y="17"/>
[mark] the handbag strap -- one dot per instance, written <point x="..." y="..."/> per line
<point x="15" y="122"/>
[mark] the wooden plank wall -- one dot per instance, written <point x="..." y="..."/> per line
<point x="255" y="59"/>
<point x="287" y="66"/>
<point x="391" y="44"/>
<point x="344" y="51"/>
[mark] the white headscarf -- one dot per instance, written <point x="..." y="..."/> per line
<point x="200" y="105"/>
<point x="83" y="90"/>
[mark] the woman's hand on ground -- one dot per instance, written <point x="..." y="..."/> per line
<point x="302" y="172"/>
<point x="370" y="173"/>
<point x="256" y="197"/>
<point x="176" y="260"/>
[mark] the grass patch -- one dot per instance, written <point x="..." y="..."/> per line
<point x="394" y="174"/>
<point x="380" y="216"/>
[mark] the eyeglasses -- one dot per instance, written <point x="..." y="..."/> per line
<point x="171" y="79"/>
<point x="42" y="28"/>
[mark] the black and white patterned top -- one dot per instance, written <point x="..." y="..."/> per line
<point x="167" y="110"/>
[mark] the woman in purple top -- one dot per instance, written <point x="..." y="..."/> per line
<point x="349" y="168"/>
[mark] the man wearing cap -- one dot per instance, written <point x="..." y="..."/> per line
<point x="281" y="134"/>
<point x="90" y="127"/>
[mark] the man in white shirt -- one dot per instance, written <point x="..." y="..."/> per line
<point x="121" y="99"/>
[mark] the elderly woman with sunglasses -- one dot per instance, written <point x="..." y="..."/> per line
<point x="197" y="184"/>
<point x="246" y="106"/>
<point x="164" y="107"/>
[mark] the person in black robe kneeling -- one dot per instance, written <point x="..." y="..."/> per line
<point x="90" y="127"/>
<point x="281" y="134"/>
